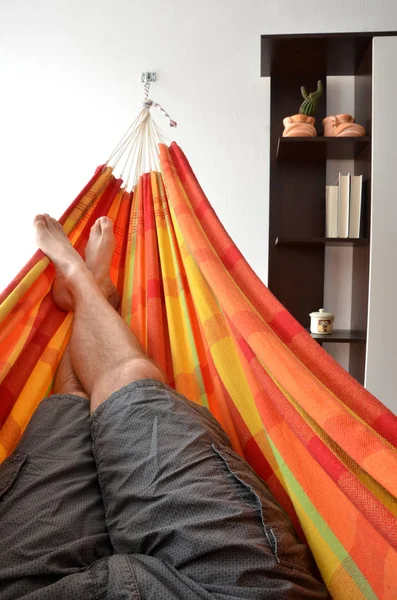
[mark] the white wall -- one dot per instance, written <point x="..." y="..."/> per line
<point x="70" y="69"/>
<point x="381" y="343"/>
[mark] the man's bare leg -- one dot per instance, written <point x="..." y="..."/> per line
<point x="98" y="258"/>
<point x="66" y="380"/>
<point x="105" y="353"/>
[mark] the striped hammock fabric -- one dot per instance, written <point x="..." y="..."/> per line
<point x="323" y="444"/>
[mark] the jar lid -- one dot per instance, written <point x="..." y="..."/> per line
<point x="322" y="314"/>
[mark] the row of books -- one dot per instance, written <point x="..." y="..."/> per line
<point x="344" y="207"/>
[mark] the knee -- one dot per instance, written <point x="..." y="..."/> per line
<point x="125" y="372"/>
<point x="142" y="368"/>
<point x="69" y="386"/>
<point x="71" y="391"/>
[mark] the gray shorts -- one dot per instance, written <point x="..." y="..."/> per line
<point x="143" y="500"/>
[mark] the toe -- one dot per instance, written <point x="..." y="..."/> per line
<point x="96" y="228"/>
<point x="48" y="219"/>
<point x="53" y="223"/>
<point x="39" y="220"/>
<point x="106" y="223"/>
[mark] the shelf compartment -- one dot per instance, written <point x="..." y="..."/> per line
<point x="293" y="242"/>
<point x="330" y="53"/>
<point x="341" y="336"/>
<point x="321" y="148"/>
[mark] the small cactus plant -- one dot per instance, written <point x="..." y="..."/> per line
<point x="310" y="103"/>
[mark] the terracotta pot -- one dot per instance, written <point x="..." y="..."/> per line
<point x="342" y="125"/>
<point x="299" y="126"/>
<point x="345" y="118"/>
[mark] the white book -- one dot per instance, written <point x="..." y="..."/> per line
<point x="344" y="205"/>
<point x="331" y="211"/>
<point x="356" y="193"/>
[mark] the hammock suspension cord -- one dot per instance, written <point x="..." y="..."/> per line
<point x="137" y="151"/>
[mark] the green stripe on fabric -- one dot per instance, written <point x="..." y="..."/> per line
<point x="49" y="388"/>
<point x="325" y="531"/>
<point x="130" y="267"/>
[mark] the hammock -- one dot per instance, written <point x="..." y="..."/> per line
<point x="323" y="444"/>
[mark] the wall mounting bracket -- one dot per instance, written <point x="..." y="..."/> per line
<point x="148" y="77"/>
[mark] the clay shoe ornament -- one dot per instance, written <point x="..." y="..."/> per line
<point x="342" y="126"/>
<point x="302" y="125"/>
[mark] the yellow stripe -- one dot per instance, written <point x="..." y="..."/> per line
<point x="12" y="300"/>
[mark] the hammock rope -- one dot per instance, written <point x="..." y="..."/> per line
<point x="138" y="148"/>
<point x="149" y="103"/>
<point x="324" y="445"/>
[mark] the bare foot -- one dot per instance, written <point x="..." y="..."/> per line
<point x="98" y="253"/>
<point x="98" y="257"/>
<point x="52" y="240"/>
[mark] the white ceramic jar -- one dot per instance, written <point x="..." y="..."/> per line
<point x="321" y="322"/>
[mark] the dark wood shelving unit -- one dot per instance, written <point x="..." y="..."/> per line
<point x="321" y="148"/>
<point x="341" y="336"/>
<point x="298" y="176"/>
<point x="311" y="54"/>
<point x="289" y="242"/>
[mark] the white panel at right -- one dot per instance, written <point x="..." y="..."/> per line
<point x="381" y="368"/>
